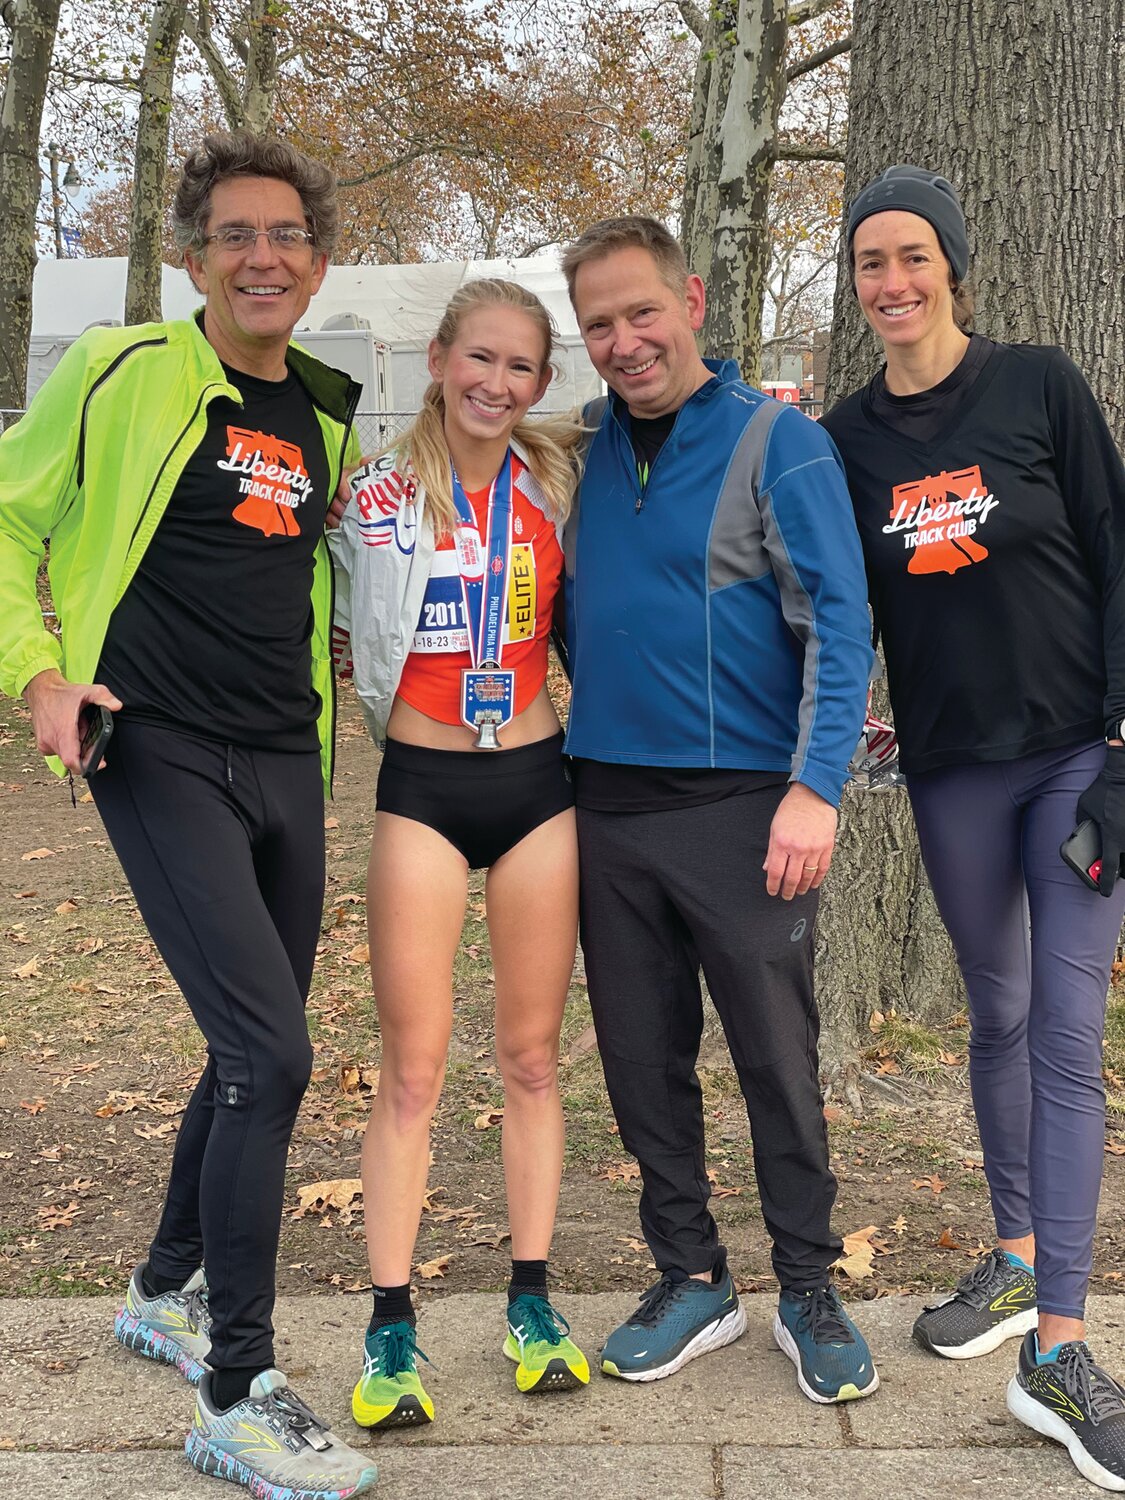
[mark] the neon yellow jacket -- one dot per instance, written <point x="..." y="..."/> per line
<point x="92" y="466"/>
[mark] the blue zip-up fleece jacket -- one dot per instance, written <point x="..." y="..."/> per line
<point x="719" y="617"/>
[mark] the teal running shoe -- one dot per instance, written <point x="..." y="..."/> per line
<point x="389" y="1393"/>
<point x="539" y="1343"/>
<point x="679" y="1319"/>
<point x="832" y="1358"/>
<point x="274" y="1445"/>
<point x="174" y="1327"/>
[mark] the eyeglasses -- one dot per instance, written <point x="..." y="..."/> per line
<point x="242" y="237"/>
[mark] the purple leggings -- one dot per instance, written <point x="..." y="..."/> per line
<point x="1035" y="947"/>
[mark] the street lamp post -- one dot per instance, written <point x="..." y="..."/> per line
<point x="71" y="184"/>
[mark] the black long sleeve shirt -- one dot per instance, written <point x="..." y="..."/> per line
<point x="992" y="516"/>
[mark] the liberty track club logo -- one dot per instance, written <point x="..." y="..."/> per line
<point x="273" y="480"/>
<point x="939" y="518"/>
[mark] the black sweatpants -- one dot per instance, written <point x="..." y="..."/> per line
<point x="662" y="894"/>
<point x="224" y="849"/>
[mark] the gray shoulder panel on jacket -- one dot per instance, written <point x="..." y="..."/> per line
<point x="737" y="551"/>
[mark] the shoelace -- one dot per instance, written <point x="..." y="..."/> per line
<point x="543" y="1323"/>
<point x="1089" y="1385"/>
<point x="198" y="1312"/>
<point x="823" y="1317"/>
<point x="284" y="1409"/>
<point x="399" y="1350"/>
<point x="976" y="1287"/>
<point x="655" y="1301"/>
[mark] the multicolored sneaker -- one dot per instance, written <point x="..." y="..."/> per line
<point x="832" y="1358"/>
<point x="1073" y="1401"/>
<point x="389" y="1393"/>
<point x="273" y="1444"/>
<point x="679" y="1318"/>
<point x="539" y="1342"/>
<point x="994" y="1302"/>
<point x="174" y="1327"/>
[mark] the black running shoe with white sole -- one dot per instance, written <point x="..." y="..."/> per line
<point x="996" y="1301"/>
<point x="1075" y="1402"/>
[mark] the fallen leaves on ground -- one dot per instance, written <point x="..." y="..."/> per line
<point x="55" y="1216"/>
<point x="33" y="1106"/>
<point x="626" y="1171"/>
<point x="37" y="854"/>
<point x="933" y="1182"/>
<point x="340" y="1193"/>
<point x="1115" y="1148"/>
<point x="488" y="1118"/>
<point x="899" y="1225"/>
<point x="29" y="970"/>
<point x="717" y="1188"/>
<point x="430" y="1270"/>
<point x="859" y="1252"/>
<point x="357" y="1078"/>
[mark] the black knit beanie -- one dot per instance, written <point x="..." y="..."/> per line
<point x="913" y="190"/>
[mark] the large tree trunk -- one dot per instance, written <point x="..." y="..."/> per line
<point x="33" y="24"/>
<point x="1022" y="112"/>
<point x="739" y="86"/>
<point x="150" y="162"/>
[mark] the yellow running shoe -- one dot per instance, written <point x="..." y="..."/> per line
<point x="546" y="1358"/>
<point x="389" y="1393"/>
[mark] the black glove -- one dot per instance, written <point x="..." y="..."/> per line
<point x="1103" y="801"/>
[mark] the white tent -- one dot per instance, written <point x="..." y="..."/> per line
<point x="400" y="305"/>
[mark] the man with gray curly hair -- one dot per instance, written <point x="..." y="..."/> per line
<point x="182" y="471"/>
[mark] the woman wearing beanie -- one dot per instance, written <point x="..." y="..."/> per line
<point x="990" y="500"/>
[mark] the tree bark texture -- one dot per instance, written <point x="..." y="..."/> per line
<point x="150" y="162"/>
<point x="1021" y="109"/>
<point x="739" y="87"/>
<point x="33" y="24"/>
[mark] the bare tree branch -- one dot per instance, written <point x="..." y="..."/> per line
<point x="197" y="28"/>
<point x="808" y="10"/>
<point x="693" y="17"/>
<point x="817" y="59"/>
<point x="791" y="151"/>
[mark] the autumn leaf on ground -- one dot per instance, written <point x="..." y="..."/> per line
<point x="356" y="1078"/>
<point x="888" y="1065"/>
<point x="625" y="1171"/>
<point x="331" y="822"/>
<point x="429" y="1270"/>
<point x="154" y="1132"/>
<point x="29" y="970"/>
<point x="119" y="1102"/>
<point x="65" y="908"/>
<point x="37" y="854"/>
<point x="832" y="1114"/>
<point x="875" y="1023"/>
<point x="359" y="954"/>
<point x="934" y="1183"/>
<point x="340" y="1193"/>
<point x="947" y="1242"/>
<point x="899" y="1225"/>
<point x="951" y="1059"/>
<point x="638" y="1246"/>
<point x="57" y="1217"/>
<point x="1115" y="1148"/>
<point x="91" y="945"/>
<point x="487" y="1118"/>
<point x="858" y="1254"/>
<point x="717" y="1188"/>
<point x="33" y="1106"/>
<point x="491" y="1241"/>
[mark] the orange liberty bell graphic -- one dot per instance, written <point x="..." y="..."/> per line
<point x="274" y="480"/>
<point x="941" y="512"/>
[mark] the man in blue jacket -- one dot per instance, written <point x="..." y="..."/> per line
<point x="719" y="649"/>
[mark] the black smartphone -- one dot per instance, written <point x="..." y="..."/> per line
<point x="95" y="726"/>
<point x="1082" y="851"/>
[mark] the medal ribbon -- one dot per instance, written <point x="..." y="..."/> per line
<point x="484" y="597"/>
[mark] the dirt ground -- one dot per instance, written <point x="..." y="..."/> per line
<point x="98" y="1055"/>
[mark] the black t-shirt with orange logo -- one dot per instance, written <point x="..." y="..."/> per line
<point x="212" y="634"/>
<point x="995" y="557"/>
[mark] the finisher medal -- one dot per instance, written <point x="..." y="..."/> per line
<point x="488" y="691"/>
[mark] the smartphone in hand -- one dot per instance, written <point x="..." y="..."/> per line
<point x="1082" y="851"/>
<point x="95" y="726"/>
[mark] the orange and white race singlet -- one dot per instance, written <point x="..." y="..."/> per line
<point x="431" y="678"/>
